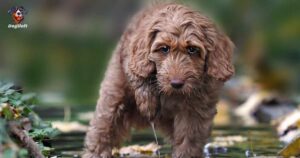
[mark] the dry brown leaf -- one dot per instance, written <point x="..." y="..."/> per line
<point x="137" y="150"/>
<point x="69" y="126"/>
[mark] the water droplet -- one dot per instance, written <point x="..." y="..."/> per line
<point x="249" y="153"/>
<point x="213" y="149"/>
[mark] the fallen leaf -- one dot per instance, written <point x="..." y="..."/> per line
<point x="138" y="150"/>
<point x="69" y="126"/>
<point x="292" y="149"/>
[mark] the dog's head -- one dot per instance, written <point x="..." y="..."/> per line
<point x="17" y="14"/>
<point x="182" y="47"/>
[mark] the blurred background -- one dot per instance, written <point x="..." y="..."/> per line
<point x="63" y="53"/>
<point x="62" y="57"/>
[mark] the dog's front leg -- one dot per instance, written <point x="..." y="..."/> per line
<point x="107" y="128"/>
<point x="190" y="135"/>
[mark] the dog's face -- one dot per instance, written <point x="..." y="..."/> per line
<point x="179" y="57"/>
<point x="18" y="16"/>
<point x="182" y="47"/>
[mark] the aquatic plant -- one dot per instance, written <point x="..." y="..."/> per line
<point x="22" y="132"/>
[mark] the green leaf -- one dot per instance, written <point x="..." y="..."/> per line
<point x="26" y="111"/>
<point x="9" y="92"/>
<point x="8" y="113"/>
<point x="28" y="96"/>
<point x="16" y="96"/>
<point x="40" y="134"/>
<point x="46" y="151"/>
<point x="6" y="86"/>
<point x="3" y="100"/>
<point x="16" y="102"/>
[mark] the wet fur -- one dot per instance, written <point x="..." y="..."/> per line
<point x="136" y="87"/>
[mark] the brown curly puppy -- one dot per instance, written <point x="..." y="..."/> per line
<point x="168" y="67"/>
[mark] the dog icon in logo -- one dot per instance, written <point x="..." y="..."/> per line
<point x="17" y="14"/>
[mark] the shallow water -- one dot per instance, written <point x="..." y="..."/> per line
<point x="226" y="141"/>
<point x="261" y="141"/>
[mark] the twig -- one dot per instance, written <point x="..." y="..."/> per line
<point x="27" y="141"/>
<point x="1" y="150"/>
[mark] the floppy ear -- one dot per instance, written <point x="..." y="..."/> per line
<point x="219" y="64"/>
<point x="139" y="63"/>
<point x="23" y="10"/>
<point x="11" y="10"/>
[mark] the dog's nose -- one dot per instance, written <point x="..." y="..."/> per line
<point x="175" y="83"/>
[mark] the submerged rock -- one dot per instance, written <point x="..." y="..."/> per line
<point x="211" y="149"/>
<point x="264" y="107"/>
<point x="289" y="128"/>
<point x="249" y="153"/>
<point x="220" y="144"/>
<point x="272" y="109"/>
<point x="248" y="108"/>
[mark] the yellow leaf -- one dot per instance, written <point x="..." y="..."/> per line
<point x="292" y="149"/>
<point x="298" y="123"/>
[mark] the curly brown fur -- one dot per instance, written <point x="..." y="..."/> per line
<point x="168" y="67"/>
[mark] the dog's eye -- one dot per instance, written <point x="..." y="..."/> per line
<point x="164" y="49"/>
<point x="193" y="50"/>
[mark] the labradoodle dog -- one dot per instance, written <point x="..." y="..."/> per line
<point x="168" y="68"/>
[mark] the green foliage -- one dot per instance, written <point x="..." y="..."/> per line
<point x="3" y="134"/>
<point x="39" y="134"/>
<point x="15" y="106"/>
<point x="46" y="151"/>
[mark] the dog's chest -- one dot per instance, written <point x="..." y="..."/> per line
<point x="173" y="104"/>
